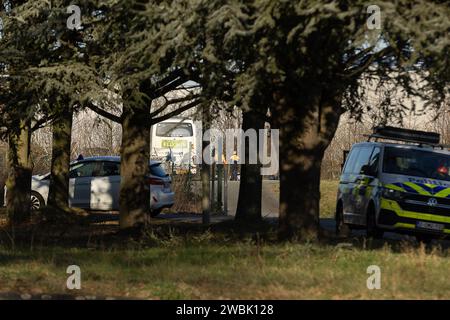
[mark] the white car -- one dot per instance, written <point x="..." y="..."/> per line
<point x="95" y="185"/>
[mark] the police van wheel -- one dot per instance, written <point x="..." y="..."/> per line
<point x="342" y="229"/>
<point x="372" y="230"/>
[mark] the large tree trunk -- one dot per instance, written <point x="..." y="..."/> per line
<point x="305" y="132"/>
<point x="134" y="200"/>
<point x="58" y="196"/>
<point x="250" y="186"/>
<point x="219" y="200"/>
<point x="213" y="187"/>
<point x="19" y="179"/>
<point x="206" y="169"/>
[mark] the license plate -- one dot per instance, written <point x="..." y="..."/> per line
<point x="174" y="144"/>
<point x="430" y="226"/>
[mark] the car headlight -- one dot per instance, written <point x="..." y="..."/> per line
<point x="392" y="194"/>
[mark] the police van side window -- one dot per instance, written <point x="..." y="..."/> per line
<point x="363" y="159"/>
<point x="350" y="163"/>
<point x="374" y="161"/>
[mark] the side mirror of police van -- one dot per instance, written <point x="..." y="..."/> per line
<point x="367" y="171"/>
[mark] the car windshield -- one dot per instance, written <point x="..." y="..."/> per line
<point x="419" y="163"/>
<point x="174" y="129"/>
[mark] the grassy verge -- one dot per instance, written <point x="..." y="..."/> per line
<point x="190" y="262"/>
<point x="328" y="193"/>
<point x="199" y="269"/>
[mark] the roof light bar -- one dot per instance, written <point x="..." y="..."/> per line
<point x="406" y="135"/>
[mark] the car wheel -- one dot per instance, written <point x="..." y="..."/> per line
<point x="37" y="202"/>
<point x="372" y="230"/>
<point x="342" y="229"/>
<point x="154" y="213"/>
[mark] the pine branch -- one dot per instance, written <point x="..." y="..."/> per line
<point x="171" y="102"/>
<point x="103" y="112"/>
<point x="176" y="112"/>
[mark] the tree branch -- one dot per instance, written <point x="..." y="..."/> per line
<point x="175" y="112"/>
<point x="171" y="102"/>
<point x="103" y="112"/>
<point x="169" y="87"/>
<point x="42" y="122"/>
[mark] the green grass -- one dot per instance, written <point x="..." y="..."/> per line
<point x="221" y="264"/>
<point x="328" y="193"/>
<point x="181" y="270"/>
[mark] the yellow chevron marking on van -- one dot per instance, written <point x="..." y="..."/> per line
<point x="443" y="193"/>
<point x="392" y="205"/>
<point x="419" y="189"/>
<point x="394" y="187"/>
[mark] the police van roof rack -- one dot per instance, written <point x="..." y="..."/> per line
<point x="407" y="135"/>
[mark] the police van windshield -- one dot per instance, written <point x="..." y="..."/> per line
<point x="419" y="163"/>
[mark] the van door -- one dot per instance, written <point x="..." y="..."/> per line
<point x="368" y="182"/>
<point x="359" y="184"/>
<point x="345" y="183"/>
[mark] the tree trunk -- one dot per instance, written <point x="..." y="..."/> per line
<point x="219" y="202"/>
<point x="206" y="170"/>
<point x="305" y="133"/>
<point x="213" y="187"/>
<point x="250" y="186"/>
<point x="225" y="189"/>
<point x="19" y="179"/>
<point x="134" y="201"/>
<point x="58" y="196"/>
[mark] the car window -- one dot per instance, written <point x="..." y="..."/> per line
<point x="375" y="160"/>
<point x="157" y="170"/>
<point x="83" y="169"/>
<point x="350" y="163"/>
<point x="110" y="168"/>
<point x="363" y="159"/>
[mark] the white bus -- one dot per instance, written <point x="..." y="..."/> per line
<point x="174" y="140"/>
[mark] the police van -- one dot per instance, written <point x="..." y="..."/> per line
<point x="399" y="180"/>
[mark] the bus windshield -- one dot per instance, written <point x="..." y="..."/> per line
<point x="174" y="129"/>
<point x="419" y="163"/>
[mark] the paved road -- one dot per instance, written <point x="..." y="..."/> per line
<point x="269" y="200"/>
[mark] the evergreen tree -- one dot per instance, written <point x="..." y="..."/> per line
<point x="50" y="62"/>
<point x="311" y="61"/>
